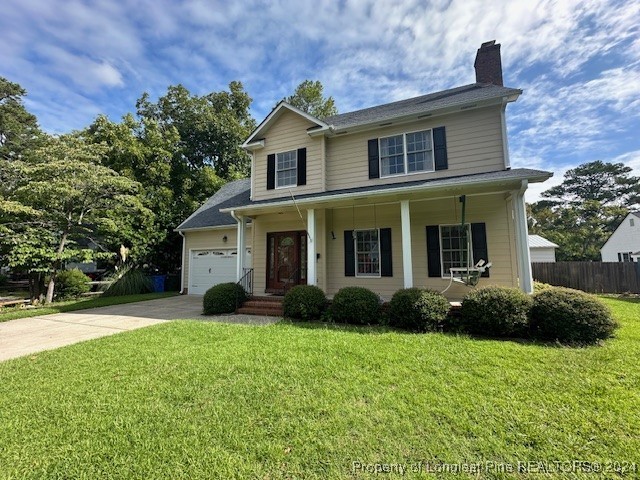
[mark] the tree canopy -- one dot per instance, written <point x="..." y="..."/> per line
<point x="19" y="129"/>
<point x="582" y="212"/>
<point x="309" y="97"/>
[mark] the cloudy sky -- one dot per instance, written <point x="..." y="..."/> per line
<point x="578" y="62"/>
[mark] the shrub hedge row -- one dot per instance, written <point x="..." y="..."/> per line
<point x="551" y="314"/>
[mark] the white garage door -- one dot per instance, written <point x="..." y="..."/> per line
<point x="211" y="267"/>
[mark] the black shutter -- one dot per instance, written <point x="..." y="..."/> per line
<point x="440" y="148"/>
<point x="271" y="171"/>
<point x="374" y="159"/>
<point x="479" y="244"/>
<point x="386" y="264"/>
<point x="433" y="251"/>
<point x="349" y="254"/>
<point x="302" y="166"/>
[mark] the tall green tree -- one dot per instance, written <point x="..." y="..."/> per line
<point x="59" y="198"/>
<point x="309" y="97"/>
<point x="582" y="212"/>
<point x="19" y="129"/>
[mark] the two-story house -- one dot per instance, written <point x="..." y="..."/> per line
<point x="393" y="196"/>
<point x="624" y="243"/>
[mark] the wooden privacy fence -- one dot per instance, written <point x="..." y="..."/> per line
<point x="593" y="277"/>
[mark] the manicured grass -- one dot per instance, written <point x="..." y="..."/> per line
<point x="193" y="399"/>
<point x="12" y="313"/>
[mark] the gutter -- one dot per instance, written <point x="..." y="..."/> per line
<point x="381" y="193"/>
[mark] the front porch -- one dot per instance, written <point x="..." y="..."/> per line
<point x="388" y="243"/>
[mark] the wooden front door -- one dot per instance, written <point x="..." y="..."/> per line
<point x="286" y="260"/>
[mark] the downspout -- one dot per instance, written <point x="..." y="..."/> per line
<point x="184" y="248"/>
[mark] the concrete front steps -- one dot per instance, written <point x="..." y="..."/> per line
<point x="268" y="306"/>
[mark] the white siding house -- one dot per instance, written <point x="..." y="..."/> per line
<point x="541" y="249"/>
<point x="624" y="244"/>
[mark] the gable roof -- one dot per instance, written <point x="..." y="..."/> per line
<point x="277" y="111"/>
<point x="423" y="105"/>
<point x="209" y="214"/>
<point x="536" y="241"/>
<point x="637" y="214"/>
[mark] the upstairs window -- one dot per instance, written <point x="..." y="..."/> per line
<point x="286" y="169"/>
<point x="406" y="153"/>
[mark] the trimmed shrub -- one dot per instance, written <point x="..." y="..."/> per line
<point x="127" y="281"/>
<point x="539" y="286"/>
<point x="71" y="284"/>
<point x="356" y="305"/>
<point x="418" y="310"/>
<point x="570" y="316"/>
<point x="496" y="311"/>
<point x="223" y="298"/>
<point x="305" y="302"/>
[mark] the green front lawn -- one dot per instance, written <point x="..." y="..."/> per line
<point x="204" y="400"/>
<point x="12" y="313"/>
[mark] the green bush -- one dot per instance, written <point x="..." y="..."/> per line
<point x="570" y="316"/>
<point x="539" y="286"/>
<point x="305" y="302"/>
<point x="496" y="311"/>
<point x="418" y="310"/>
<point x="71" y="284"/>
<point x="356" y="305"/>
<point x="223" y="298"/>
<point x="127" y="281"/>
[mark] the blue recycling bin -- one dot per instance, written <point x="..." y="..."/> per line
<point x="157" y="283"/>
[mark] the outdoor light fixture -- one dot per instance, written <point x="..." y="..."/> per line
<point x="224" y="239"/>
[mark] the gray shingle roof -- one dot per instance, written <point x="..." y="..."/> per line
<point x="423" y="104"/>
<point x="637" y="214"/>
<point x="209" y="214"/>
<point x="502" y="175"/>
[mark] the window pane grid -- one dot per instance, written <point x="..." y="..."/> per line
<point x="418" y="157"/>
<point x="454" y="247"/>
<point x="367" y="253"/>
<point x="286" y="169"/>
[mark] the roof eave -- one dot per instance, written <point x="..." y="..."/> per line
<point x="398" y="120"/>
<point x="329" y="198"/>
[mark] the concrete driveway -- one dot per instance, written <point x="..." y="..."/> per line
<point x="30" y="335"/>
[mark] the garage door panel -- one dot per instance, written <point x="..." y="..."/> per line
<point x="211" y="267"/>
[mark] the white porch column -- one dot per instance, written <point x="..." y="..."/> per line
<point x="407" y="264"/>
<point x="241" y="246"/>
<point x="312" y="277"/>
<point x="522" y="240"/>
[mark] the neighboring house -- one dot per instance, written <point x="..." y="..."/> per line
<point x="377" y="197"/>
<point x="624" y="243"/>
<point x="541" y="249"/>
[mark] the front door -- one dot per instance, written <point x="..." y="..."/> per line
<point x="286" y="260"/>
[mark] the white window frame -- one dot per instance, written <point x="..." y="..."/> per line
<point x="444" y="274"/>
<point x="355" y="250"/>
<point x="295" y="184"/>
<point x="404" y="154"/>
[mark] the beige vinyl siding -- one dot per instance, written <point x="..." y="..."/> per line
<point x="492" y="210"/>
<point x="210" y="239"/>
<point x="474" y="145"/>
<point x="286" y="222"/>
<point x="288" y="133"/>
<point x="385" y="216"/>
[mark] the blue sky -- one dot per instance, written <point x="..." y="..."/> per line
<point x="578" y="62"/>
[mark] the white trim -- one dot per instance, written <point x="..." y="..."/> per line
<point x="276" y="113"/>
<point x="184" y="247"/>
<point x="355" y="251"/>
<point x="407" y="265"/>
<point x="404" y="154"/>
<point x="522" y="239"/>
<point x="213" y="227"/>
<point x="505" y="140"/>
<point x="312" y="277"/>
<point x="330" y="198"/>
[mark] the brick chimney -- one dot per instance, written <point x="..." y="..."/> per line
<point x="488" y="64"/>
